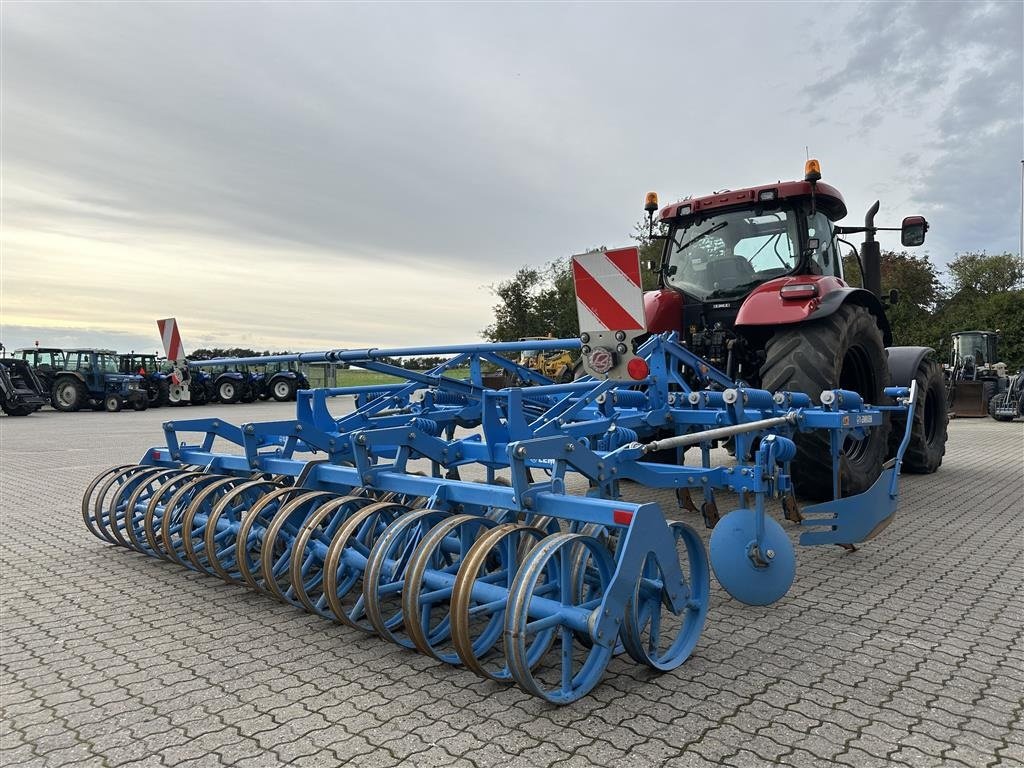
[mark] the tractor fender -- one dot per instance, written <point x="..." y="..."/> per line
<point x="663" y="310"/>
<point x="766" y="307"/>
<point x="233" y="375"/>
<point x="904" y="362"/>
<point x="62" y="374"/>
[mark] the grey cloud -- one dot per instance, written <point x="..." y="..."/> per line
<point x="964" y="59"/>
<point x="325" y="126"/>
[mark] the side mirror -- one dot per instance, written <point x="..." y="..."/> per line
<point x="813" y="244"/>
<point x="913" y="230"/>
<point x="649" y="265"/>
<point x="894" y="296"/>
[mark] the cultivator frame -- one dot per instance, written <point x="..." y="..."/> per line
<point x="380" y="531"/>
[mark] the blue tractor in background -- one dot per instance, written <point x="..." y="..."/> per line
<point x="92" y="377"/>
<point x="236" y="383"/>
<point x="282" y="380"/>
<point x="155" y="380"/>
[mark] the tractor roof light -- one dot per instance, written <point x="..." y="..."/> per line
<point x="684" y="210"/>
<point x="651" y="202"/>
<point x="638" y="369"/>
<point x="767" y="195"/>
<point x="798" y="291"/>
<point x="812" y="171"/>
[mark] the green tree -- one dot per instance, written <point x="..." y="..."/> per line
<point x="986" y="273"/>
<point x="651" y="249"/>
<point x="986" y="295"/>
<point x="920" y="289"/>
<point x="535" y="302"/>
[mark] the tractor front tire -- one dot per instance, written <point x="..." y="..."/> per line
<point x="17" y="410"/>
<point x="841" y="351"/>
<point x="163" y="395"/>
<point x="113" y="403"/>
<point x="68" y="394"/>
<point x="994" y="402"/>
<point x="931" y="417"/>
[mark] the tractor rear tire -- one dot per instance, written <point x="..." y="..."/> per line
<point x="845" y="351"/>
<point x="931" y="417"/>
<point x="68" y="394"/>
<point x="282" y="390"/>
<point x="228" y="392"/>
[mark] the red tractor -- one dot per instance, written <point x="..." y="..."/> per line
<point x="753" y="282"/>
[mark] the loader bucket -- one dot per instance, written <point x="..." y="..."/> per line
<point x="969" y="400"/>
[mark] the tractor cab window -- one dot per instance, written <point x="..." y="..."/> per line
<point x="824" y="259"/>
<point x="730" y="253"/>
<point x="107" y="364"/>
<point x="49" y="360"/>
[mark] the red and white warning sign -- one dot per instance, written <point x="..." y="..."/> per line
<point x="609" y="296"/>
<point x="171" y="338"/>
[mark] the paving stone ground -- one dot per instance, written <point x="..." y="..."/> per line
<point x="909" y="652"/>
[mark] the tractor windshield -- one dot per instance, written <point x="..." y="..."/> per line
<point x="979" y="346"/>
<point x="107" y="363"/>
<point x="731" y="252"/>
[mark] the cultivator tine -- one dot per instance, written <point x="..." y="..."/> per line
<point x="685" y="500"/>
<point x="790" y="508"/>
<point x="709" y="512"/>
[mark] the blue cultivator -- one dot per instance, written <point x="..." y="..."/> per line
<point x="543" y="572"/>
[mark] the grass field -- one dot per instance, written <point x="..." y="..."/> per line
<point x="356" y="377"/>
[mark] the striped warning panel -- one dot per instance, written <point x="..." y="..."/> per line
<point x="171" y="338"/>
<point x="609" y="295"/>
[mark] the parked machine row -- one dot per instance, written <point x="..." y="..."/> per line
<point x="72" y="379"/>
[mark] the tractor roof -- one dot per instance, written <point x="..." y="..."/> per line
<point x="39" y="349"/>
<point x="89" y="349"/>
<point x="827" y="198"/>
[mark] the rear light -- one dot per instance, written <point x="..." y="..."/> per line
<point x="622" y="516"/>
<point x="637" y="368"/>
<point x="799" y="291"/>
<point x="768" y="194"/>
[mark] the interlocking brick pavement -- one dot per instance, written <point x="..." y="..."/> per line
<point x="909" y="652"/>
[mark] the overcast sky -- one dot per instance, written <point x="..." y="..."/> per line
<point x="317" y="175"/>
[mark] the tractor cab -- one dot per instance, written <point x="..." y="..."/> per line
<point x="140" y="365"/>
<point x="973" y="350"/>
<point x="752" y="281"/>
<point x="737" y="264"/>
<point x="724" y="246"/>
